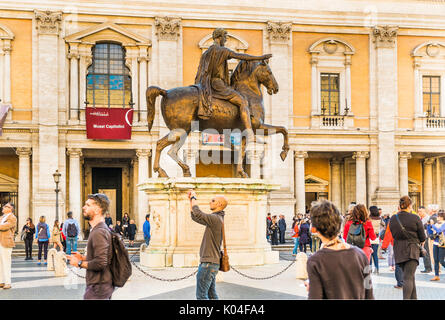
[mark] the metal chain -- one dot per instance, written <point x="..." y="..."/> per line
<point x="72" y="270"/>
<point x="157" y="278"/>
<point x="262" y="278"/>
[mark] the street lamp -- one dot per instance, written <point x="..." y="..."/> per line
<point x="56" y="176"/>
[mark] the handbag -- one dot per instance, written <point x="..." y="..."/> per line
<point x="224" y="260"/>
<point x="422" y="250"/>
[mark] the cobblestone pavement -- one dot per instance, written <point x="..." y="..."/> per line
<point x="30" y="281"/>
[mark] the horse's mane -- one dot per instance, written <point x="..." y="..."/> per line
<point x="243" y="68"/>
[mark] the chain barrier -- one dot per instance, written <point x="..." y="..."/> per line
<point x="71" y="269"/>
<point x="262" y="278"/>
<point x="158" y="278"/>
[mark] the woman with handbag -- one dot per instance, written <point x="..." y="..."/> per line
<point x="28" y="231"/>
<point x="437" y="232"/>
<point x="274" y="230"/>
<point x="409" y="235"/>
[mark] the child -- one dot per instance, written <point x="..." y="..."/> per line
<point x="131" y="232"/>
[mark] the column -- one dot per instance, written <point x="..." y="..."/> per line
<point x="385" y="87"/>
<point x="6" y="98"/>
<point x="314" y="85"/>
<point x="428" y="181"/>
<point x="143" y="158"/>
<point x="336" y="182"/>
<point x="85" y="60"/>
<point x="403" y="173"/>
<point x="300" y="192"/>
<point x="279" y="43"/>
<point x="169" y="65"/>
<point x="75" y="183"/>
<point x="132" y="60"/>
<point x="254" y="155"/>
<point x="47" y="100"/>
<point x="143" y="58"/>
<point x="24" y="185"/>
<point x="73" y="56"/>
<point x="360" y="176"/>
<point x="348" y="81"/>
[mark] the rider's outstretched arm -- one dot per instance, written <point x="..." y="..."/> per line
<point x="244" y="56"/>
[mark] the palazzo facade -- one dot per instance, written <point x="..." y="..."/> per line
<point x="361" y="90"/>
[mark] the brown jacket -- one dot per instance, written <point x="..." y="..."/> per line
<point x="7" y="230"/>
<point x="99" y="250"/>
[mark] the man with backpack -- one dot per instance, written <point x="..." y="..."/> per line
<point x="71" y="230"/>
<point x="107" y="262"/>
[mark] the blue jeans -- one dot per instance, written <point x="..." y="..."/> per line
<point x="374" y="255"/>
<point x="439" y="258"/>
<point x="297" y="243"/>
<point x="71" y="244"/>
<point x="399" y="275"/>
<point x="205" y="281"/>
<point x="147" y="240"/>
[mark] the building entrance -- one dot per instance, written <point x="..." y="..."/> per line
<point x="109" y="182"/>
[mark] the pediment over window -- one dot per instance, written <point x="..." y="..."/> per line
<point x="6" y="33"/>
<point x="431" y="49"/>
<point x="331" y="46"/>
<point x="233" y="42"/>
<point x="413" y="185"/>
<point x="8" y="184"/>
<point x="310" y="179"/>
<point x="108" y="31"/>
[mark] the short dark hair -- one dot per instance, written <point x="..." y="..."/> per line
<point x="421" y="207"/>
<point x="326" y="219"/>
<point x="101" y="200"/>
<point x="147" y="216"/>
<point x="69" y="214"/>
<point x="374" y="211"/>
<point x="441" y="214"/>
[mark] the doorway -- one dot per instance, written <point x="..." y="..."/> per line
<point x="109" y="182"/>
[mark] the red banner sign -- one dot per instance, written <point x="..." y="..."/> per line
<point x="109" y="123"/>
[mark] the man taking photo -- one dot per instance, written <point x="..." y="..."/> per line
<point x="210" y="251"/>
<point x="99" y="250"/>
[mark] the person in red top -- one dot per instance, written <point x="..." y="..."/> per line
<point x="360" y="215"/>
<point x="296" y="238"/>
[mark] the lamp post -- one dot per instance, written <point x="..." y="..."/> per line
<point x="56" y="176"/>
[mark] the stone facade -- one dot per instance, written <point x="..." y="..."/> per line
<point x="378" y="144"/>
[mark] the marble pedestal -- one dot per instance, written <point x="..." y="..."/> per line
<point x="176" y="239"/>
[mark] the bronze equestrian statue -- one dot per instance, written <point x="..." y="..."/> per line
<point x="216" y="104"/>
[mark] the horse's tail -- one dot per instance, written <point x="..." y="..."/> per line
<point x="151" y="95"/>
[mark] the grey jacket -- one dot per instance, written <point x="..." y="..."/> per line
<point x="210" y="250"/>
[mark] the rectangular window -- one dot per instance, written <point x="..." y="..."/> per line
<point x="330" y="93"/>
<point x="431" y="95"/>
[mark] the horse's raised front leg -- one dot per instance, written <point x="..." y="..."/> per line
<point x="241" y="154"/>
<point x="179" y="135"/>
<point x="270" y="129"/>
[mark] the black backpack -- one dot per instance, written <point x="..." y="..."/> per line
<point x="120" y="261"/>
<point x="357" y="235"/>
<point x="71" y="230"/>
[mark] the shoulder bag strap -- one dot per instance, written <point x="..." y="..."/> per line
<point x="224" y="237"/>
<point x="404" y="230"/>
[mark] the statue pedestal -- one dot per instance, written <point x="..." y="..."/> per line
<point x="176" y="238"/>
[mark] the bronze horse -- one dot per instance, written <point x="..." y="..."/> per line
<point x="179" y="108"/>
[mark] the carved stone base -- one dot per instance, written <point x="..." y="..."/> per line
<point x="176" y="239"/>
<point x="387" y="199"/>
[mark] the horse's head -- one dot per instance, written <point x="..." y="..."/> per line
<point x="259" y="70"/>
<point x="265" y="77"/>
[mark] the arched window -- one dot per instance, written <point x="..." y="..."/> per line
<point x="108" y="79"/>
